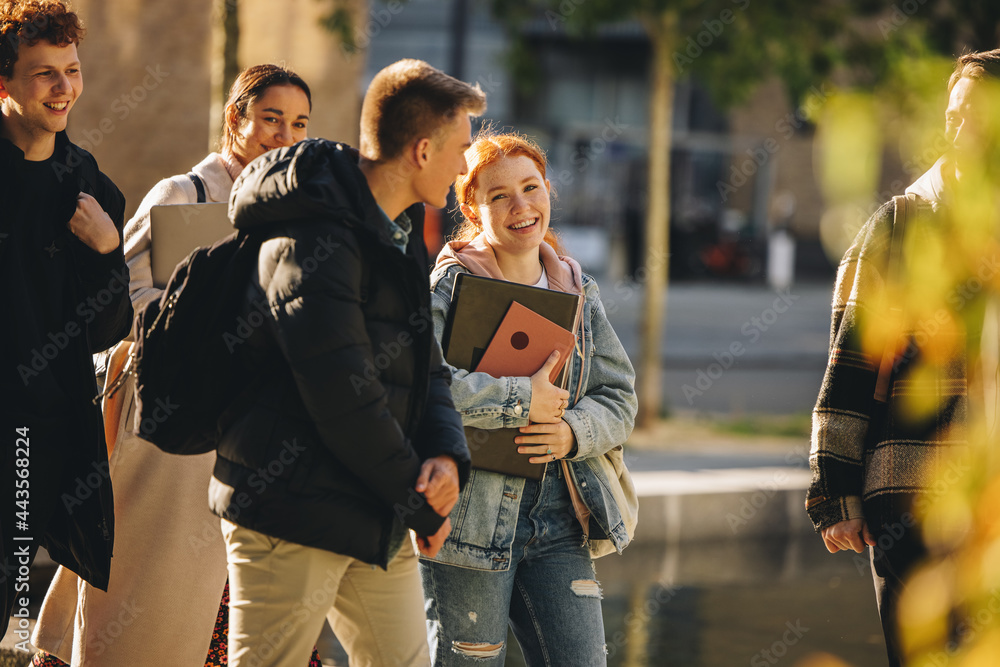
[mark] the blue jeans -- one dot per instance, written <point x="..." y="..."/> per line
<point x="549" y="595"/>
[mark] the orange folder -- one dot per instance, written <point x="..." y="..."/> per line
<point x="523" y="343"/>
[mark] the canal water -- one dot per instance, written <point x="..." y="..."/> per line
<point x="739" y="602"/>
<point x="760" y="603"/>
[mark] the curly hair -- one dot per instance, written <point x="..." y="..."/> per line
<point x="484" y="151"/>
<point x="26" y="22"/>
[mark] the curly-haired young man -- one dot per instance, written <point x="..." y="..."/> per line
<point x="65" y="292"/>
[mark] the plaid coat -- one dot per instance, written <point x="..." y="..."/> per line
<point x="870" y="459"/>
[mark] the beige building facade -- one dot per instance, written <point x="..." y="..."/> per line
<point x="146" y="111"/>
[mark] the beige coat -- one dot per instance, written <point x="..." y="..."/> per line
<point x="168" y="571"/>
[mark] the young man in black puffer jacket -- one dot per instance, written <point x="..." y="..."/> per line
<point x="352" y="438"/>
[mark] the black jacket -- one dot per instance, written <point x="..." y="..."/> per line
<point x="47" y="377"/>
<point x="352" y="395"/>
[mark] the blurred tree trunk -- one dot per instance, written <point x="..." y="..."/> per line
<point x="637" y="631"/>
<point x="224" y="61"/>
<point x="662" y="29"/>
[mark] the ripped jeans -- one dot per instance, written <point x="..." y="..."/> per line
<point x="549" y="595"/>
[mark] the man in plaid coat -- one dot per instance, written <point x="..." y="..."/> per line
<point x="874" y="458"/>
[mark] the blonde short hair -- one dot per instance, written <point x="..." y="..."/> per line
<point x="408" y="101"/>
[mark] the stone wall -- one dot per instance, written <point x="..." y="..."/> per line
<point x="292" y="36"/>
<point x="145" y="111"/>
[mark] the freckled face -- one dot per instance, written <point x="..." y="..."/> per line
<point x="512" y="203"/>
<point x="277" y="118"/>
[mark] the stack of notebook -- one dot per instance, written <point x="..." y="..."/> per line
<point x="507" y="329"/>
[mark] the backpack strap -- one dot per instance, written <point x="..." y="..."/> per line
<point x="199" y="186"/>
<point x="893" y="275"/>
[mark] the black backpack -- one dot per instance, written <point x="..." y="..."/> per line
<point x="188" y="379"/>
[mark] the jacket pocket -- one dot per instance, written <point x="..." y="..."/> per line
<point x="479" y="518"/>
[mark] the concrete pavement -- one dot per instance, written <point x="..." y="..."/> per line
<point x="732" y="348"/>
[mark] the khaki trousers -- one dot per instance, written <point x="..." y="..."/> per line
<point x="280" y="592"/>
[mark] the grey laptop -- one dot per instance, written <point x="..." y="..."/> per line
<point x="177" y="229"/>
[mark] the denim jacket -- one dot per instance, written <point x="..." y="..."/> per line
<point x="601" y="416"/>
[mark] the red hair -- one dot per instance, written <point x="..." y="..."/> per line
<point x="485" y="150"/>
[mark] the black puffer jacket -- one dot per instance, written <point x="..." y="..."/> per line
<point x="71" y="502"/>
<point x="354" y="395"/>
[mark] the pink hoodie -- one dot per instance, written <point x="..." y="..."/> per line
<point x="565" y="274"/>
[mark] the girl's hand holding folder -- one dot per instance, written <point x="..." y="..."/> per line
<point x="548" y="402"/>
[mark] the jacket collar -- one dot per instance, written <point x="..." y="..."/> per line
<point x="10" y="151"/>
<point x="932" y="184"/>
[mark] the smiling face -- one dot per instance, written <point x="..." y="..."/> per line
<point x="39" y="94"/>
<point x="277" y="118"/>
<point x="512" y="205"/>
